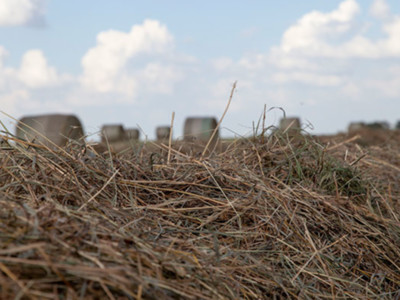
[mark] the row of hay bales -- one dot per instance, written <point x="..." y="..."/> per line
<point x="59" y="129"/>
<point x="196" y="129"/>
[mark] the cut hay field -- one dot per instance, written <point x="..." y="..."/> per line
<point x="262" y="218"/>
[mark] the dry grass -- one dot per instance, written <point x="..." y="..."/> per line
<point x="263" y="219"/>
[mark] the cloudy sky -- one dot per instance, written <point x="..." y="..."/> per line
<point x="135" y="62"/>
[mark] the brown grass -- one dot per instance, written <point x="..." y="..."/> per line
<point x="263" y="219"/>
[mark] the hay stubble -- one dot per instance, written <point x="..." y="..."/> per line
<point x="276" y="218"/>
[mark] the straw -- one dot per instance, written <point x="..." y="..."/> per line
<point x="261" y="219"/>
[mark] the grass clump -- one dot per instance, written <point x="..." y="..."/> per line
<point x="302" y="160"/>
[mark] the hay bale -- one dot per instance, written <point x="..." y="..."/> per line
<point x="200" y="129"/>
<point x="356" y="126"/>
<point x="112" y="133"/>
<point x="163" y="132"/>
<point x="290" y="125"/>
<point x="132" y="134"/>
<point x="359" y="126"/>
<point x="58" y="128"/>
<point x="380" y="125"/>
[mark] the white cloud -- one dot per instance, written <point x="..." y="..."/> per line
<point x="35" y="71"/>
<point x="379" y="9"/>
<point x="316" y="35"/>
<point x="391" y="45"/>
<point x="308" y="78"/>
<point x="319" y="48"/>
<point x="310" y="32"/>
<point x="105" y="67"/>
<point x="21" y="12"/>
<point x="34" y="87"/>
<point x="13" y="100"/>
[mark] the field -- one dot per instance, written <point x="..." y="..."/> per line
<point x="264" y="217"/>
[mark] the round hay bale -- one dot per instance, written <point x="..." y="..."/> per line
<point x="290" y="125"/>
<point x="163" y="132"/>
<point x="132" y="134"/>
<point x="200" y="129"/>
<point x="356" y="126"/>
<point x="112" y="133"/>
<point x="380" y="125"/>
<point x="58" y="128"/>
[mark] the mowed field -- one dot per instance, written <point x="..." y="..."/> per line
<point x="274" y="217"/>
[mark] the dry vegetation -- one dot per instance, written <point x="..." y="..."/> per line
<point x="267" y="218"/>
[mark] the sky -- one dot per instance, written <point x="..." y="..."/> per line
<point x="135" y="62"/>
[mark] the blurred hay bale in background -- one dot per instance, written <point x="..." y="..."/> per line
<point x="290" y="126"/>
<point x="50" y="128"/>
<point x="163" y="133"/>
<point x="198" y="131"/>
<point x="132" y="134"/>
<point x="112" y="133"/>
<point x="356" y="126"/>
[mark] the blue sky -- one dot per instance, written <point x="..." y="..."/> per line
<point x="135" y="62"/>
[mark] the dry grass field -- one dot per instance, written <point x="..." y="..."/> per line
<point x="261" y="218"/>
